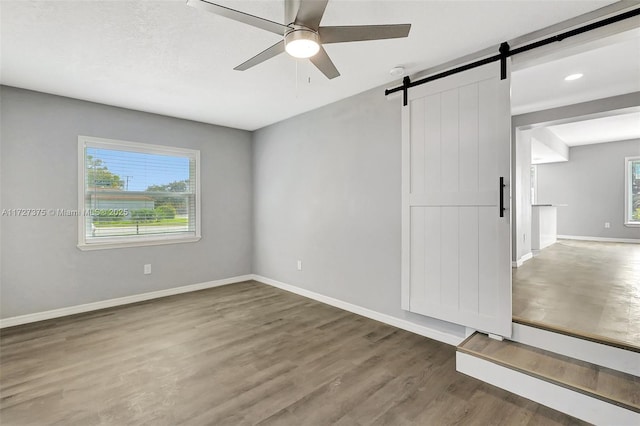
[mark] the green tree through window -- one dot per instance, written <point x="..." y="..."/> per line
<point x="99" y="176"/>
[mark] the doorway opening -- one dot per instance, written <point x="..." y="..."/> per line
<point x="576" y="246"/>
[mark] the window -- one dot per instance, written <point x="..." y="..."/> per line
<point x="632" y="191"/>
<point x="133" y="194"/>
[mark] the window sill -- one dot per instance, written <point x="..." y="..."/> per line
<point x="137" y="243"/>
<point x="632" y="224"/>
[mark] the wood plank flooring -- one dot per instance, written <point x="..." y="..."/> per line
<point x="583" y="287"/>
<point x="609" y="385"/>
<point x="241" y="354"/>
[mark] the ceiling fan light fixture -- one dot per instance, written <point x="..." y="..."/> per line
<point x="303" y="36"/>
<point x="301" y="43"/>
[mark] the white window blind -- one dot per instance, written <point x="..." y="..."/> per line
<point x="136" y="194"/>
<point x="632" y="191"/>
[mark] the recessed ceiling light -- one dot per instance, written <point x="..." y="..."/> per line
<point x="572" y="77"/>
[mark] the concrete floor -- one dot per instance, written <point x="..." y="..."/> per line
<point x="583" y="287"/>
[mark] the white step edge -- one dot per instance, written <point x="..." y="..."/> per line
<point x="608" y="356"/>
<point x="576" y="404"/>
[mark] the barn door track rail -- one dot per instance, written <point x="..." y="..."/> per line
<point x="505" y="52"/>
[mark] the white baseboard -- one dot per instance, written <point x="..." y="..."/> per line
<point x="576" y="404"/>
<point x="87" y="307"/>
<point x="585" y="350"/>
<point x="600" y="239"/>
<point x="422" y="330"/>
<point x="518" y="263"/>
<point x="94" y="306"/>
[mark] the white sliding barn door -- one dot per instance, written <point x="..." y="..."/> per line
<point x="456" y="249"/>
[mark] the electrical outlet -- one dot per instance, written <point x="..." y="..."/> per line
<point x="299" y="265"/>
<point x="607" y="225"/>
<point x="147" y="269"/>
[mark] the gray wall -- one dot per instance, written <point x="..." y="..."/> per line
<point x="592" y="184"/>
<point x="41" y="267"/>
<point x="327" y="192"/>
<point x="521" y="154"/>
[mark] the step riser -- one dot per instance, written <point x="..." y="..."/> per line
<point x="576" y="404"/>
<point x="584" y="350"/>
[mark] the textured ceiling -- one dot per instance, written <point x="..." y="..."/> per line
<point x="168" y="58"/>
<point x="610" y="68"/>
<point x="618" y="126"/>
<point x="614" y="128"/>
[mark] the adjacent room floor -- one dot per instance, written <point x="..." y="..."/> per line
<point x="241" y="354"/>
<point x="583" y="287"/>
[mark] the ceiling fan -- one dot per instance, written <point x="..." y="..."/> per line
<point x="302" y="34"/>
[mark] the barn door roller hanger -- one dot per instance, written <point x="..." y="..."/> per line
<point x="505" y="52"/>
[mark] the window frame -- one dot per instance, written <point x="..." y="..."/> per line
<point x="132" y="240"/>
<point x="628" y="199"/>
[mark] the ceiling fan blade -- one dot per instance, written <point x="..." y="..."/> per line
<point x="236" y="15"/>
<point x="269" y="53"/>
<point x="310" y="13"/>
<point x="323" y="62"/>
<point x="291" y="10"/>
<point x="362" y="33"/>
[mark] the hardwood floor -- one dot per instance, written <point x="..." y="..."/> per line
<point x="241" y="354"/>
<point x="600" y="382"/>
<point x="584" y="287"/>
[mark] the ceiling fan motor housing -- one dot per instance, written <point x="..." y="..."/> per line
<point x="302" y="42"/>
<point x="301" y="37"/>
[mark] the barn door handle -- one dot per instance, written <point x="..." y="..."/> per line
<point x="501" y="191"/>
